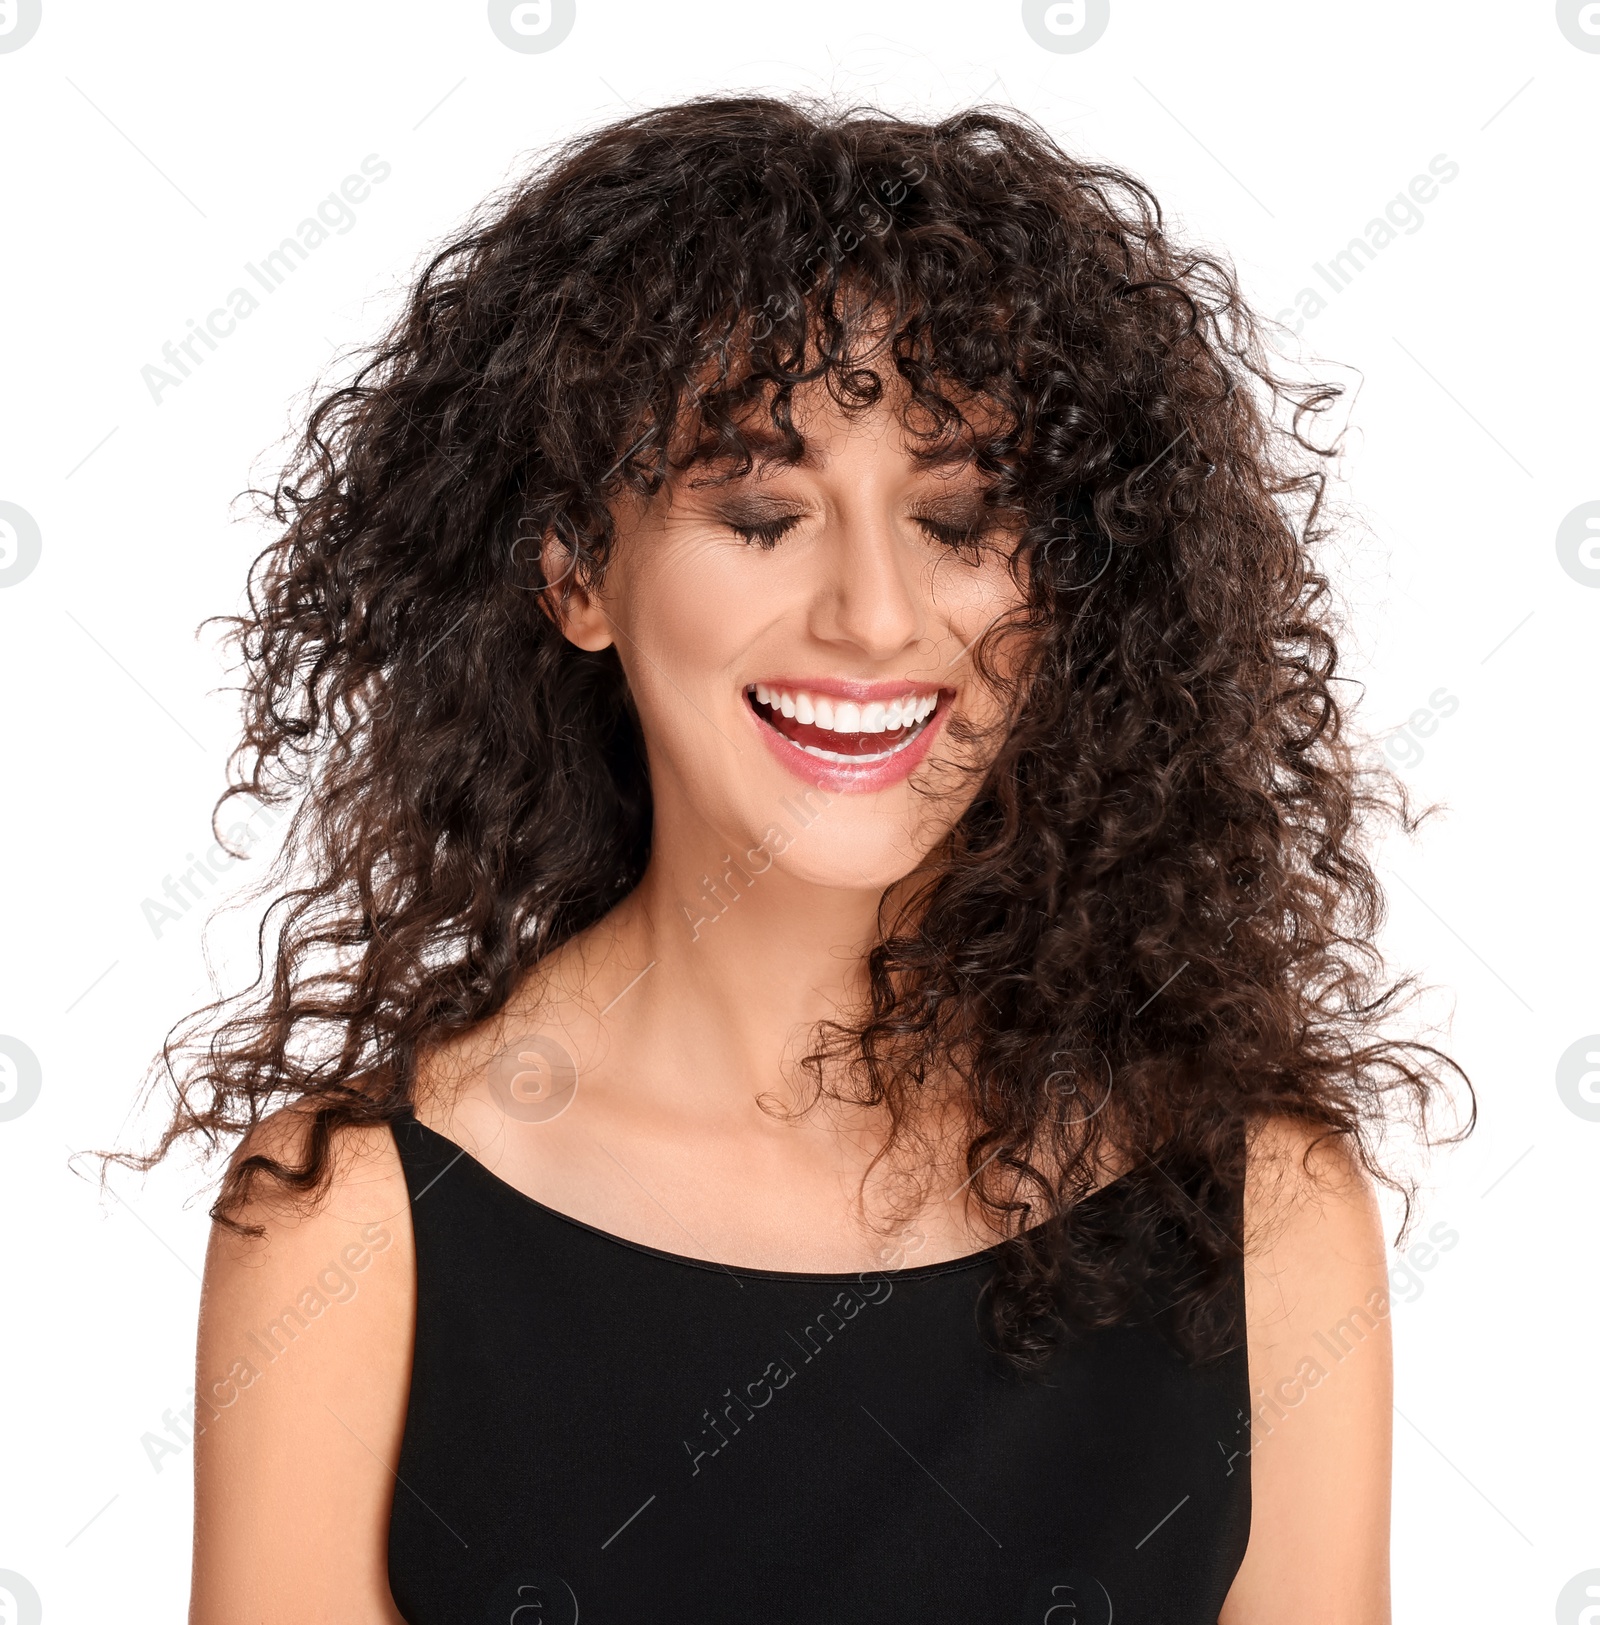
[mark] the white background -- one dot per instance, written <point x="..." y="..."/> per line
<point x="150" y="151"/>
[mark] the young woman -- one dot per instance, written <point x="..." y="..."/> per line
<point x="822" y="1054"/>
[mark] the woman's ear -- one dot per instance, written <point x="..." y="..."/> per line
<point x="575" y="608"/>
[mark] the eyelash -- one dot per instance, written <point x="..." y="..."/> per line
<point x="766" y="536"/>
<point x="959" y="538"/>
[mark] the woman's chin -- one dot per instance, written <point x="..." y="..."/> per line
<point x="837" y="839"/>
<point x="831" y="855"/>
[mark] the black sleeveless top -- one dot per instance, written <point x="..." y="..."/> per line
<point x="602" y="1432"/>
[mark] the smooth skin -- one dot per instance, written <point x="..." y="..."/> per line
<point x="680" y="1020"/>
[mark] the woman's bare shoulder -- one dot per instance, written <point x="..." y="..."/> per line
<point x="364" y="1163"/>
<point x="303" y="1369"/>
<point x="1295" y="1168"/>
<point x="1317" y="1310"/>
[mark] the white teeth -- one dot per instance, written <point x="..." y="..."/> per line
<point x="846" y="716"/>
<point x="856" y="761"/>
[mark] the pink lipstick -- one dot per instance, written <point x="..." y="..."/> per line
<point x="846" y="735"/>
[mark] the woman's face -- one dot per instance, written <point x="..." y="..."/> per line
<point x="798" y="642"/>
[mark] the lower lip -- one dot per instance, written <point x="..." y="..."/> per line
<point x="841" y="776"/>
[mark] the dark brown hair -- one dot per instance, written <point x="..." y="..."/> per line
<point x="1155" y="923"/>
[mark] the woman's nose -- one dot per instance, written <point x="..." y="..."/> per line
<point x="872" y="586"/>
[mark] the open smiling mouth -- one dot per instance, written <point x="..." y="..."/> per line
<point x="843" y="731"/>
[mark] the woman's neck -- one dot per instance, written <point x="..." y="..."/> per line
<point x="729" y="964"/>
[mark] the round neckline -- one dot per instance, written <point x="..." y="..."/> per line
<point x="912" y="1272"/>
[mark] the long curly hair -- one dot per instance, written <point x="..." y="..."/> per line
<point x="1153" y="926"/>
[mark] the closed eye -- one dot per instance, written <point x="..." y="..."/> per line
<point x="764" y="533"/>
<point x="968" y="532"/>
<point x="965" y="537"/>
<point x="965" y="534"/>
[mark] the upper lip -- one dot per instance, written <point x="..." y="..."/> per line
<point x="847" y="688"/>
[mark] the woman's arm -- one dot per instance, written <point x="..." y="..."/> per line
<point x="1316" y="1294"/>
<point x="303" y="1368"/>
